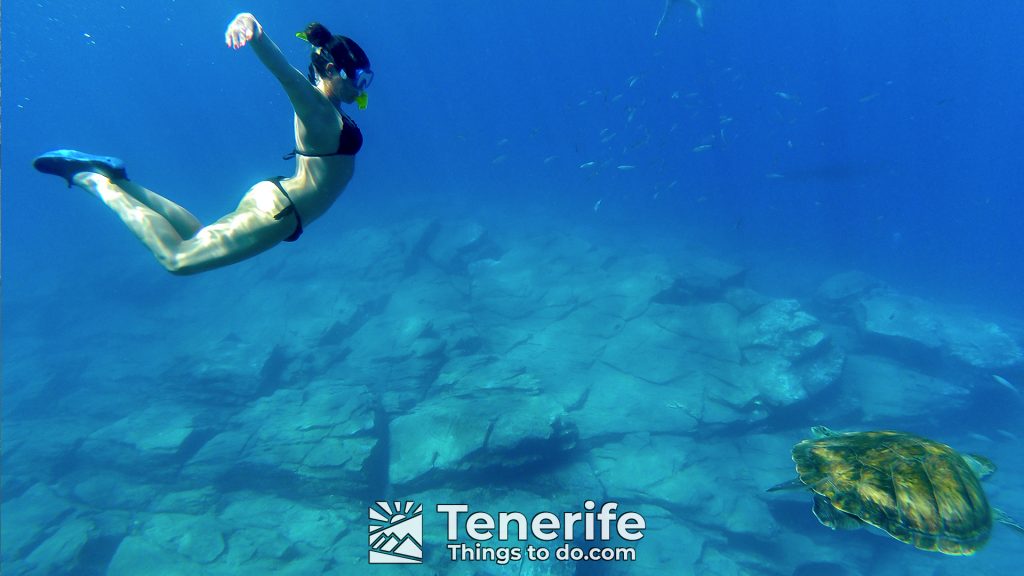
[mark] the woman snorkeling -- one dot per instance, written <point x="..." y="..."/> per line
<point x="272" y="211"/>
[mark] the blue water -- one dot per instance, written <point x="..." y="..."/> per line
<point x="798" y="139"/>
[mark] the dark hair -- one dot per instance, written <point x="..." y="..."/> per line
<point x="346" y="54"/>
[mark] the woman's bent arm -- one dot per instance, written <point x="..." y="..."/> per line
<point x="245" y="29"/>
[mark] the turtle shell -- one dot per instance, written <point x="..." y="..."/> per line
<point x="919" y="491"/>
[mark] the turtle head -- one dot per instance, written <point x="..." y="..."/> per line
<point x="981" y="466"/>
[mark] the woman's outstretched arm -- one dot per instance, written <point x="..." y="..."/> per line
<point x="245" y="29"/>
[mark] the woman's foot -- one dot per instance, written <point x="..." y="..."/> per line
<point x="67" y="163"/>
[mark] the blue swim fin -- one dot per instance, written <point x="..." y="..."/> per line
<point x="67" y="163"/>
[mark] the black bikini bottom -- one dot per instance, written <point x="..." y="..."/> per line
<point x="289" y="210"/>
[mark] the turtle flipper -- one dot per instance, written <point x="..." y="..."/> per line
<point x="794" y="484"/>
<point x="832" y="517"/>
<point x="1004" y="518"/>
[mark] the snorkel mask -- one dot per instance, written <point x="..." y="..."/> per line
<point x="360" y="77"/>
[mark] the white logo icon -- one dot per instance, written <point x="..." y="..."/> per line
<point x="396" y="533"/>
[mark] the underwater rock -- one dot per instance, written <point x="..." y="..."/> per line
<point x="195" y="501"/>
<point x="311" y="441"/>
<point x="911" y="326"/>
<point x="882" y="389"/>
<point x="403" y="348"/>
<point x="786" y="356"/>
<point x="281" y="528"/>
<point x="109" y="489"/>
<point x="251" y="534"/>
<point x="29" y="519"/>
<point x="701" y="279"/>
<point x="623" y="288"/>
<point x="526" y="286"/>
<point x="40" y="450"/>
<point x="651" y="468"/>
<point x="457" y="245"/>
<point x="222" y="372"/>
<point x="723" y="563"/>
<point x="144" y="443"/>
<point x="669" y="546"/>
<point x="370" y="256"/>
<point x="847" y="287"/>
<point x="685" y="475"/>
<point x="613" y="404"/>
<point x="712" y="365"/>
<point x="136" y="551"/>
<point x="471" y="376"/>
<point x="59" y="553"/>
<point x="198" y="538"/>
<point x="745" y="300"/>
<point x="554" y="360"/>
<point x="652" y="349"/>
<point x="449" y="440"/>
<point x="415" y="237"/>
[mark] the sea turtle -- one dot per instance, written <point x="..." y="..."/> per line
<point x="917" y="490"/>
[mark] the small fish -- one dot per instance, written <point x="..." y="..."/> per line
<point x="724" y="119"/>
<point x="499" y="159"/>
<point x="626" y="167"/>
<point x="868" y="98"/>
<point x="774" y="175"/>
<point x="587" y="164"/>
<point x="1005" y="384"/>
<point x="633" y="80"/>
<point x="1008" y="435"/>
<point x="702" y="148"/>
<point x="549" y="159"/>
<point x="502" y="142"/>
<point x="597" y="205"/>
<point x="664" y="13"/>
<point x="582" y="103"/>
<point x="699" y="13"/>
<point x="675" y="95"/>
<point x="617" y="97"/>
<point x="979" y="437"/>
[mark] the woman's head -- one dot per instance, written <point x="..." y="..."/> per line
<point x="338" y="55"/>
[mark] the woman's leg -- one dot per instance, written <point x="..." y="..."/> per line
<point x="247" y="231"/>
<point x="184" y="223"/>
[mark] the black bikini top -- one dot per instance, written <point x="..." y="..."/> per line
<point x="349" y="142"/>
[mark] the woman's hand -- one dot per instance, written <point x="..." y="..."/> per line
<point x="241" y="30"/>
